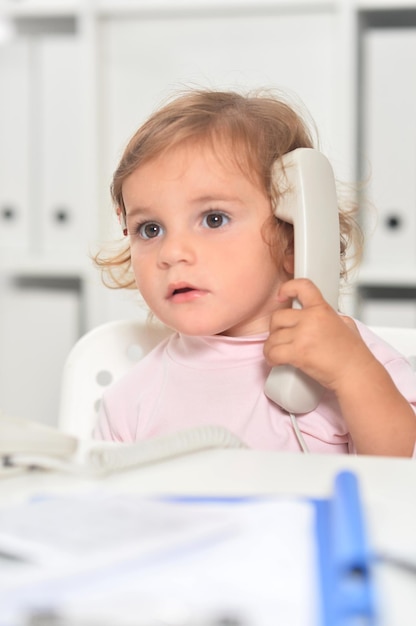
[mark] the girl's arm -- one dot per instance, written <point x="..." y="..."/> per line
<point x="329" y="348"/>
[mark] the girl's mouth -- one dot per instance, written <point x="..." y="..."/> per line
<point x="184" y="293"/>
<point x="175" y="289"/>
<point x="182" y="290"/>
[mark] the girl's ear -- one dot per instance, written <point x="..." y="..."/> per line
<point x="122" y="219"/>
<point x="285" y="245"/>
<point x="289" y="254"/>
<point x="289" y="261"/>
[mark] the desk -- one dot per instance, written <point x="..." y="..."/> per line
<point x="388" y="489"/>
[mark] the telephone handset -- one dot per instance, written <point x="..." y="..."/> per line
<point x="309" y="202"/>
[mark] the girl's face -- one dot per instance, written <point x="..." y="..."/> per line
<point x="198" y="255"/>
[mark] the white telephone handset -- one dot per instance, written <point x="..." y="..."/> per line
<point x="309" y="202"/>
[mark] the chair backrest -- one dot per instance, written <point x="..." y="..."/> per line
<point x="99" y="358"/>
<point x="105" y="353"/>
<point x="403" y="339"/>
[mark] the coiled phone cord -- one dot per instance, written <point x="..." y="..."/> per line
<point x="114" y="457"/>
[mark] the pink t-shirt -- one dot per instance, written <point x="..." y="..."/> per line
<point x="193" y="381"/>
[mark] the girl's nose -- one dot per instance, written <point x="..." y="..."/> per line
<point x="176" y="248"/>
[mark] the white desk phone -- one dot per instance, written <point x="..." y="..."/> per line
<point x="309" y="202"/>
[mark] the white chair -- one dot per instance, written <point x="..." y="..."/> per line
<point x="98" y="359"/>
<point x="403" y="339"/>
<point x="105" y="353"/>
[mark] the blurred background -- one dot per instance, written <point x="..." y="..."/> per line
<point x="78" y="78"/>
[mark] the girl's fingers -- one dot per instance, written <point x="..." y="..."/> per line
<point x="301" y="289"/>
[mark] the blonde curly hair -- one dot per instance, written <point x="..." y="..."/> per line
<point x="257" y="127"/>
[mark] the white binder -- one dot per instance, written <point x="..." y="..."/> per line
<point x="16" y="124"/>
<point x="389" y="150"/>
<point x="63" y="211"/>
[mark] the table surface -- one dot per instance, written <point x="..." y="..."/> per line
<point x="388" y="488"/>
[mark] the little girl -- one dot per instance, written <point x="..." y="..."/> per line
<point x="194" y="193"/>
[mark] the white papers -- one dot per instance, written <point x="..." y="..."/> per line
<point x="108" y="558"/>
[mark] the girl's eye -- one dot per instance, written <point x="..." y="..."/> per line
<point x="149" y="230"/>
<point x="215" y="220"/>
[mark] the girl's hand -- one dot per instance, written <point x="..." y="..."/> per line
<point x="316" y="339"/>
<point x="328" y="347"/>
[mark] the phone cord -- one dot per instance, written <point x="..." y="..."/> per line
<point x="298" y="434"/>
<point x="176" y="444"/>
